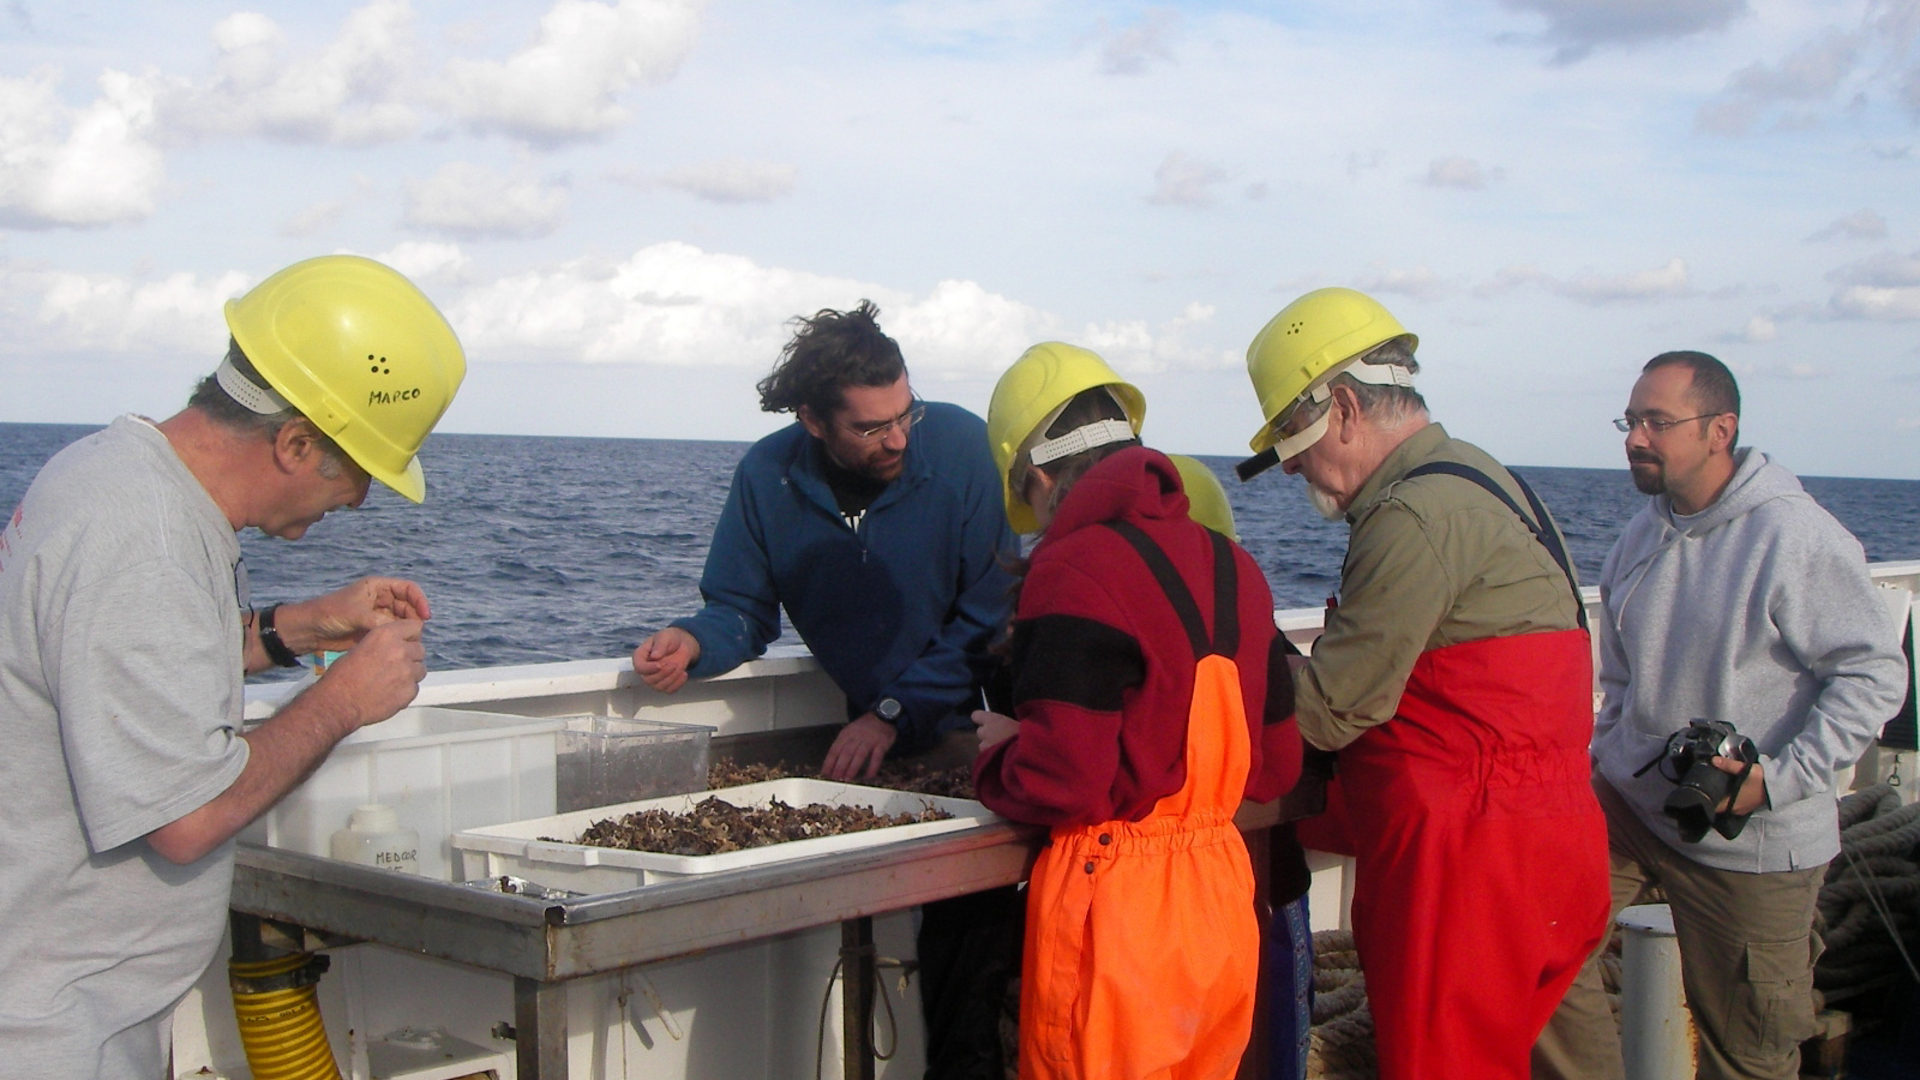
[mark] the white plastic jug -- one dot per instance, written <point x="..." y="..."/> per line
<point x="375" y="837"/>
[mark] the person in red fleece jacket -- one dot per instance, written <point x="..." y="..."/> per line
<point x="1150" y="696"/>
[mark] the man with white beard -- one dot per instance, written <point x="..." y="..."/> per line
<point x="1454" y="680"/>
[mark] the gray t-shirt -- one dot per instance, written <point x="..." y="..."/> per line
<point x="121" y="593"/>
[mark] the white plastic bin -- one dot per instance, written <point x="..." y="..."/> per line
<point x="518" y="850"/>
<point x="442" y="770"/>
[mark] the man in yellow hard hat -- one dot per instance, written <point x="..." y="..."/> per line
<point x="1454" y="679"/>
<point x="126" y="629"/>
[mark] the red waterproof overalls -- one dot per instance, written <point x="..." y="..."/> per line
<point x="1142" y="949"/>
<point x="1481" y="854"/>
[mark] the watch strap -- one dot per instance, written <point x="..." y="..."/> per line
<point x="271" y="641"/>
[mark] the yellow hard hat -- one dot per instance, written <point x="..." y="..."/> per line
<point x="1206" y="499"/>
<point x="1305" y="346"/>
<point x="1028" y="397"/>
<point x="361" y="352"/>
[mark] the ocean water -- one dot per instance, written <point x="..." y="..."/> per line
<point x="534" y="549"/>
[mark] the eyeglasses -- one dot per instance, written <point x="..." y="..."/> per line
<point x="1657" y="427"/>
<point x="904" y="422"/>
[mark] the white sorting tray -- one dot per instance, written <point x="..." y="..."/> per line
<point x="517" y="849"/>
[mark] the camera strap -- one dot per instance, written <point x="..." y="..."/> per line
<point x="1539" y="524"/>
<point x="1651" y="762"/>
<point x="1727" y="823"/>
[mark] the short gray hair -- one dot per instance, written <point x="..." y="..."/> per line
<point x="212" y="399"/>
<point x="1389" y="405"/>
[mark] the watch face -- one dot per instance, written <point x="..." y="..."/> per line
<point x="887" y="709"/>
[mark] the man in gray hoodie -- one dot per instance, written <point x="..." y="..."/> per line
<point x="1731" y="597"/>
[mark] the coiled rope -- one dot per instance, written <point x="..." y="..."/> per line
<point x="1342" y="1046"/>
<point x="1870" y="905"/>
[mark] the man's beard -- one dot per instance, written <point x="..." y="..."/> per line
<point x="867" y="468"/>
<point x="1325" y="502"/>
<point x="1650" y="481"/>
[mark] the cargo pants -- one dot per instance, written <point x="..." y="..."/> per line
<point x="1747" y="950"/>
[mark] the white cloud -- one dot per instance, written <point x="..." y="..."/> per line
<point x="473" y="201"/>
<point x="1762" y="328"/>
<point x="1862" y="224"/>
<point x="61" y="166"/>
<point x="566" y="85"/>
<point x="1129" y="51"/>
<point x="1809" y="74"/>
<point x="1831" y="73"/>
<point x="1883" y="269"/>
<point x="673" y="305"/>
<point x="59" y="311"/>
<point x="1138" y="346"/>
<point x="311" y="219"/>
<point x="1875" y="303"/>
<point x="1798" y="370"/>
<point x="1460" y="172"/>
<point x="1577" y="27"/>
<point x="326" y="213"/>
<point x="666" y="305"/>
<point x="732" y="180"/>
<point x="352" y="92"/>
<point x="960" y="327"/>
<point x="1419" y="283"/>
<point x="1181" y="181"/>
<point x="426" y="261"/>
<point x="669" y="304"/>
<point x="1661" y="283"/>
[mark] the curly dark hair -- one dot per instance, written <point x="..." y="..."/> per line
<point x="829" y="352"/>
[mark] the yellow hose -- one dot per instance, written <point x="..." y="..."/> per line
<point x="280" y="1028"/>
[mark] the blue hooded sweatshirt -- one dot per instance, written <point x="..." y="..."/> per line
<point x="903" y="605"/>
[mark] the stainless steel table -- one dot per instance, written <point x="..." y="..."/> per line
<point x="310" y="902"/>
<point x="545" y="943"/>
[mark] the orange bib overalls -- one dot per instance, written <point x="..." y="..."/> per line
<point x="1142" y="949"/>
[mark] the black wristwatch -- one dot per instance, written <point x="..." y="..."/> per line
<point x="888" y="709"/>
<point x="277" y="650"/>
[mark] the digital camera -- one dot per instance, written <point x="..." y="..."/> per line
<point x="1698" y="787"/>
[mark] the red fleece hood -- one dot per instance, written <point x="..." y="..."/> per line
<point x="1136" y="482"/>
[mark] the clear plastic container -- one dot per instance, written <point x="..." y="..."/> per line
<point x="375" y="837"/>
<point x="603" y="760"/>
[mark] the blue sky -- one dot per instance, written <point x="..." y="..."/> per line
<point x="619" y="204"/>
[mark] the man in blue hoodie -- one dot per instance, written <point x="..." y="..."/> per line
<point x="1731" y="597"/>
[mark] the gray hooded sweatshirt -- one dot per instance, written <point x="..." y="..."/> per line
<point x="1758" y="611"/>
